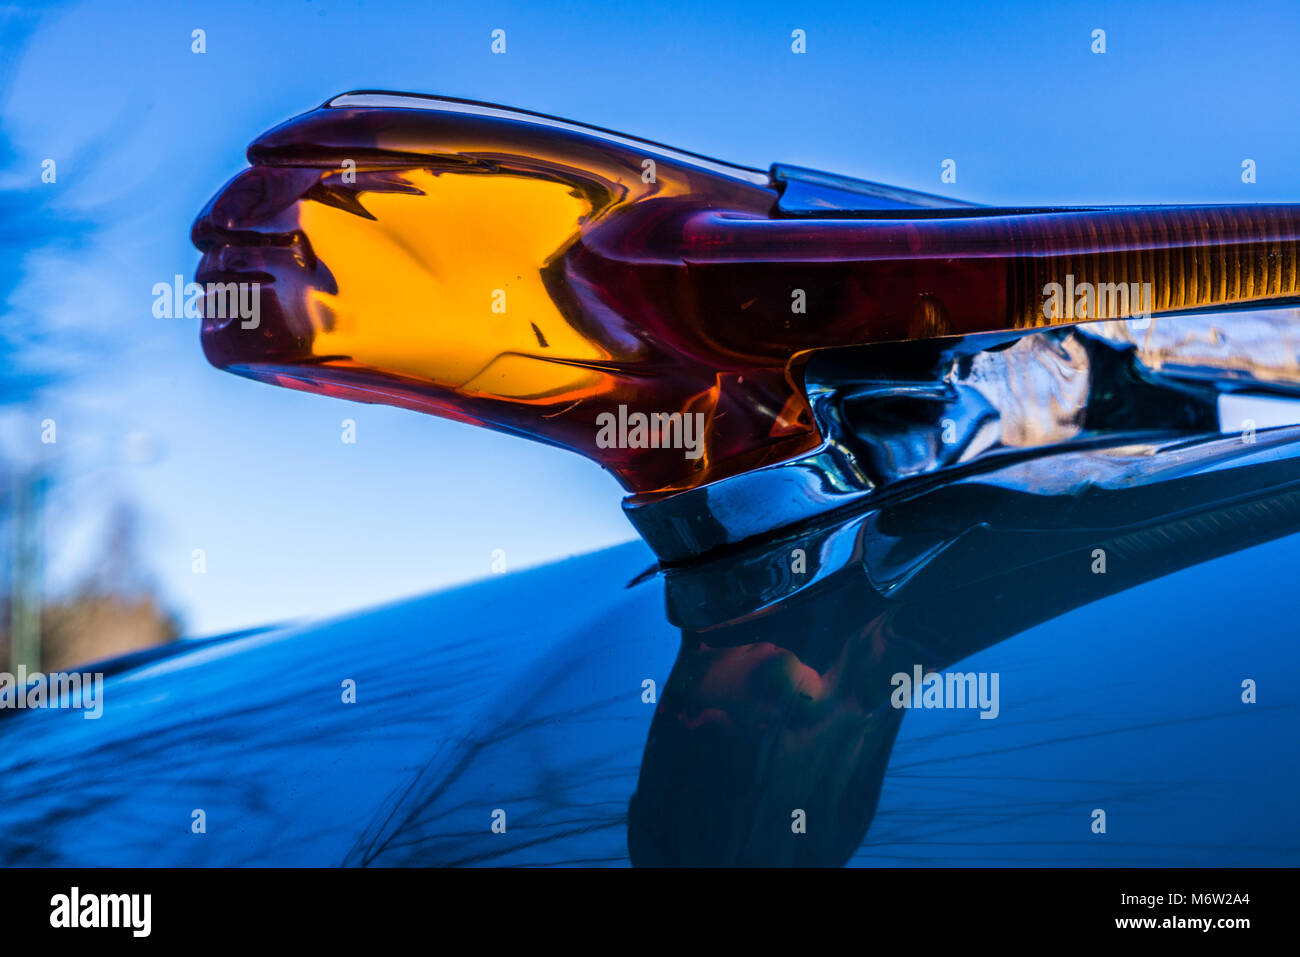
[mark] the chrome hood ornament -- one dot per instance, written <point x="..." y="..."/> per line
<point x="743" y="350"/>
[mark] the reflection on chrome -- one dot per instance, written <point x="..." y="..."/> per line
<point x="1256" y="347"/>
<point x="900" y="412"/>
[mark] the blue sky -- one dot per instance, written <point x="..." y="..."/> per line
<point x="295" y="522"/>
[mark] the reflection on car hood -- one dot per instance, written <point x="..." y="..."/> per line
<point x="619" y="714"/>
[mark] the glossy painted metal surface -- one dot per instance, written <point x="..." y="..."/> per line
<point x="772" y="669"/>
<point x="549" y="279"/>
<point x="783" y="695"/>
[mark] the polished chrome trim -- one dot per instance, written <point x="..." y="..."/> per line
<point x="859" y="463"/>
<point x="698" y="520"/>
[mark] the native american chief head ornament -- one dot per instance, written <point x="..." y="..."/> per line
<point x="621" y="298"/>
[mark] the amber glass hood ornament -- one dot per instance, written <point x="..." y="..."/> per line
<point x="677" y="319"/>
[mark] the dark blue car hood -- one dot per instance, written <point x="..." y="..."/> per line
<point x="528" y="694"/>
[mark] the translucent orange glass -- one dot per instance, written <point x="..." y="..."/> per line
<point x="540" y="278"/>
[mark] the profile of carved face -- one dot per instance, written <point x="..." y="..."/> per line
<point x="545" y="278"/>
<point x="501" y="269"/>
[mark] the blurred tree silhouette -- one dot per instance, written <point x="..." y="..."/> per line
<point x="112" y="610"/>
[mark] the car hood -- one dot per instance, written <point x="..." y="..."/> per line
<point x="603" y="710"/>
